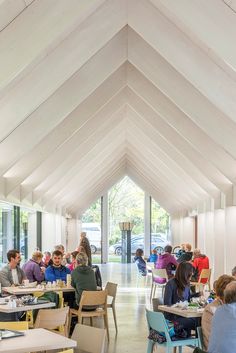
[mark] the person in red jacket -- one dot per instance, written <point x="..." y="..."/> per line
<point x="200" y="262"/>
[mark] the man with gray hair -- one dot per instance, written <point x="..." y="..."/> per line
<point x="234" y="272"/>
<point x="223" y="332"/>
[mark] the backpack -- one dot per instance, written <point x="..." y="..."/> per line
<point x="97" y="275"/>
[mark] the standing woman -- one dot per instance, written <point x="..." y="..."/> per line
<point x="178" y="289"/>
<point x="84" y="242"/>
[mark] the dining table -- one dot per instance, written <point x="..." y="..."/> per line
<point x="24" y="290"/>
<point x="189" y="312"/>
<point x="6" y="307"/>
<point x="36" y="340"/>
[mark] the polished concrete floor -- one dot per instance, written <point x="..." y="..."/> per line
<point x="132" y="298"/>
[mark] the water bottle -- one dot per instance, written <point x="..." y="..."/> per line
<point x="68" y="280"/>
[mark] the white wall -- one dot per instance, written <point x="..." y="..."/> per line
<point x="182" y="230"/>
<point x="230" y="244"/>
<point x="216" y="237"/>
<point x="53" y="230"/>
<point x="219" y="243"/>
<point x="73" y="232"/>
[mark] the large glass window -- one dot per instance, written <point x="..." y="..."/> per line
<point x="159" y="226"/>
<point x="6" y="230"/>
<point x="126" y="204"/>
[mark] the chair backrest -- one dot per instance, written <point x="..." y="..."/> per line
<point x="93" y="298"/>
<point x="156" y="321"/>
<point x="14" y="325"/>
<point x="205" y="274"/>
<point x="51" y="319"/>
<point x="200" y="336"/>
<point x="111" y="289"/>
<point x="160" y="273"/>
<point x="156" y="302"/>
<point x="83" y="334"/>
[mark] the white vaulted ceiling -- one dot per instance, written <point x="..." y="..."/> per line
<point x="94" y="90"/>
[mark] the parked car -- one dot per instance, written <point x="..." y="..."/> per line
<point x="137" y="241"/>
<point x="93" y="231"/>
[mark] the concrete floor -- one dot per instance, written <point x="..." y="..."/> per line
<point x="130" y="307"/>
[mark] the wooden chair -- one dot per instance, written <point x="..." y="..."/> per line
<point x="158" y="273"/>
<point x="156" y="321"/>
<point x="14" y="325"/>
<point x="83" y="333"/>
<point x="204" y="275"/>
<point x="92" y="298"/>
<point x="111" y="289"/>
<point x="56" y="320"/>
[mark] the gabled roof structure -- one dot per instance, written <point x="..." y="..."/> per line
<point x="94" y="90"/>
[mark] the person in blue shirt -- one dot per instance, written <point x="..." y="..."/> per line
<point x="223" y="332"/>
<point x="141" y="264"/>
<point x="56" y="271"/>
<point x="153" y="257"/>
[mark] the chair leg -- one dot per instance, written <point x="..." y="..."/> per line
<point x="180" y="349"/>
<point x="151" y="293"/>
<point x="114" y="316"/>
<point x="91" y="321"/>
<point x="150" y="346"/>
<point x="80" y="319"/>
<point x="154" y="291"/>
<point x="175" y="350"/>
<point x="106" y="326"/>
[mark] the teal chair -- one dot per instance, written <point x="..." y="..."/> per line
<point x="156" y="321"/>
<point x="200" y="337"/>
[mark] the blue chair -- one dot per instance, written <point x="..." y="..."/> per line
<point x="156" y="321"/>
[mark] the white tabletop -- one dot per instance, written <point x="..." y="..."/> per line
<point x="7" y="309"/>
<point x="193" y="312"/>
<point x="36" y="340"/>
<point x="26" y="290"/>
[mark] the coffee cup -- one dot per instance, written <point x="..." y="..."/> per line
<point x="26" y="282"/>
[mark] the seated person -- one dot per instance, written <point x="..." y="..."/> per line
<point x="166" y="261"/>
<point x="200" y="262"/>
<point x="73" y="263"/>
<point x="223" y="333"/>
<point x="234" y="272"/>
<point x="178" y="289"/>
<point x="141" y="264"/>
<point x="82" y="278"/>
<point x="210" y="309"/>
<point x="187" y="254"/>
<point x="12" y="274"/>
<point x="56" y="270"/>
<point x="153" y="257"/>
<point x="32" y="268"/>
<point x="46" y="259"/>
<point x="181" y="251"/>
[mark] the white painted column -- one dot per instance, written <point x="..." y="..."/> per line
<point x="230" y="238"/>
<point x="219" y="230"/>
<point x="104" y="228"/>
<point x="210" y="239"/>
<point x="147" y="224"/>
<point x="201" y="231"/>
